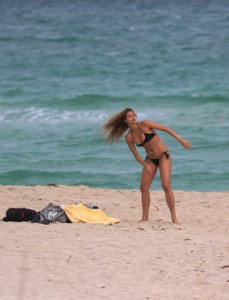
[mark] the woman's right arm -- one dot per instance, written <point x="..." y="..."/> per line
<point x="130" y="143"/>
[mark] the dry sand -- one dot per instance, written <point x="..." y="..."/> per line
<point x="128" y="260"/>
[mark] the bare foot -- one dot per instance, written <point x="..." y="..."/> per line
<point x="175" y="221"/>
<point x="143" y="220"/>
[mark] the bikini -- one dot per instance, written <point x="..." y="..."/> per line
<point x="149" y="137"/>
<point x="157" y="160"/>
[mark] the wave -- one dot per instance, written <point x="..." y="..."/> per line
<point x="46" y="115"/>
<point x="92" y="101"/>
<point x="102" y="100"/>
<point x="187" y="99"/>
<point x="93" y="108"/>
<point x="213" y="98"/>
<point x="186" y="181"/>
<point x="95" y="101"/>
<point x="33" y="39"/>
<point x="25" y="177"/>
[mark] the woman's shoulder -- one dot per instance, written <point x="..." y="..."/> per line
<point x="145" y="122"/>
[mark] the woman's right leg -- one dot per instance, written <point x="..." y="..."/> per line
<point x="146" y="181"/>
<point x="165" y="170"/>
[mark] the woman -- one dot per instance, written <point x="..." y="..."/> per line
<point x="143" y="134"/>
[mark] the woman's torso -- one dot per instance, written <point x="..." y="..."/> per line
<point x="146" y="137"/>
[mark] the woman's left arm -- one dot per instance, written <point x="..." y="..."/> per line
<point x="160" y="127"/>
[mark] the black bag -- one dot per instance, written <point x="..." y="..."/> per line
<point x="19" y="215"/>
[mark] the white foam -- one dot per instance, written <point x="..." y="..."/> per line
<point x="45" y="115"/>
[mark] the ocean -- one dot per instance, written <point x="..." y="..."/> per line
<point x="66" y="66"/>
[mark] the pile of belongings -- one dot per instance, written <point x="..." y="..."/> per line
<point x="63" y="214"/>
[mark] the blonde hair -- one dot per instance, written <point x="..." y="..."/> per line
<point x="115" y="127"/>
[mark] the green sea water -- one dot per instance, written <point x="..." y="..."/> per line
<point x="67" y="66"/>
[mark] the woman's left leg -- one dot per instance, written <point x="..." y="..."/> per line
<point x="165" y="173"/>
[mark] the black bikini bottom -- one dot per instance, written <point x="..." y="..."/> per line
<point x="157" y="160"/>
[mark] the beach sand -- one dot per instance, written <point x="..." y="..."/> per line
<point x="127" y="260"/>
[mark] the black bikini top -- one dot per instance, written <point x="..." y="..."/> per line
<point x="148" y="136"/>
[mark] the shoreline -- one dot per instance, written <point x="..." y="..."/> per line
<point x="105" y="188"/>
<point x="127" y="260"/>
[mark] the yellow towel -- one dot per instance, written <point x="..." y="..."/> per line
<point x="81" y="213"/>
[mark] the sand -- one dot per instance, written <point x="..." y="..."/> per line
<point x="127" y="260"/>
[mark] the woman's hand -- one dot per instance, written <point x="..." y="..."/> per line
<point x="185" y="143"/>
<point x="149" y="168"/>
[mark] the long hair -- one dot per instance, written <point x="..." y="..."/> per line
<point x="115" y="127"/>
